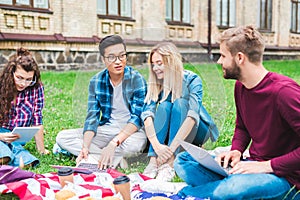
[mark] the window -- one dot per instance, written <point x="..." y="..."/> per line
<point x="265" y="15"/>
<point x="295" y="21"/>
<point x="178" y="11"/>
<point x="225" y="13"/>
<point x="119" y="8"/>
<point x="27" y="3"/>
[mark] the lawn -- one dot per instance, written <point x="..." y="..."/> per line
<point x="66" y="98"/>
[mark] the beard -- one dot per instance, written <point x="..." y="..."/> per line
<point x="232" y="73"/>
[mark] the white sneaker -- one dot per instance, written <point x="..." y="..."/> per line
<point x="151" y="170"/>
<point x="165" y="173"/>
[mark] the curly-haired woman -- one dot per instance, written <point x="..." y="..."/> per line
<point x="21" y="104"/>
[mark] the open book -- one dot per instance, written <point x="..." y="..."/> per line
<point x="204" y="158"/>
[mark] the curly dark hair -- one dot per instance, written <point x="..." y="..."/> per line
<point x="8" y="90"/>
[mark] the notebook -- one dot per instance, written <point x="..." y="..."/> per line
<point x="204" y="158"/>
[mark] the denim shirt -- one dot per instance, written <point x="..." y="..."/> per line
<point x="192" y="92"/>
<point x="100" y="94"/>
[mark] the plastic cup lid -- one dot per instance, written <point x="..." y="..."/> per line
<point x="65" y="171"/>
<point x="121" y="180"/>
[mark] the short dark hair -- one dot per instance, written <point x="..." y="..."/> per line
<point x="109" y="41"/>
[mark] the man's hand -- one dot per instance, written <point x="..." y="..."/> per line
<point x="107" y="155"/>
<point x="164" y="153"/>
<point x="251" y="167"/>
<point x="232" y="157"/>
<point x="82" y="155"/>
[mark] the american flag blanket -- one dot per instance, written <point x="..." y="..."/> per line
<point x="96" y="185"/>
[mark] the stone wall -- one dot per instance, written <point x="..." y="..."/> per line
<point x="59" y="60"/>
<point x="64" y="61"/>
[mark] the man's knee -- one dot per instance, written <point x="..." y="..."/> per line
<point x="64" y="136"/>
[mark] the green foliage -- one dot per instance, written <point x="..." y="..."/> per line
<point x="66" y="99"/>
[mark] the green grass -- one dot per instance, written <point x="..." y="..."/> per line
<point x="66" y="99"/>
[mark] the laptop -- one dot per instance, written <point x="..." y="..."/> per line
<point x="204" y="158"/>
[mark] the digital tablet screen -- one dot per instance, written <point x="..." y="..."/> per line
<point x="26" y="133"/>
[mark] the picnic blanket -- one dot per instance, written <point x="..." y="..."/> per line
<point x="96" y="185"/>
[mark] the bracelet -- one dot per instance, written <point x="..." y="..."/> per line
<point x="116" y="140"/>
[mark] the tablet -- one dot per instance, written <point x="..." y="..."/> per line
<point x="26" y="133"/>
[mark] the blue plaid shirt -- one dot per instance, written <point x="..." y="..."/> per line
<point x="28" y="108"/>
<point x="100" y="94"/>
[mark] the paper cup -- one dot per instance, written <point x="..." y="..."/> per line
<point x="122" y="186"/>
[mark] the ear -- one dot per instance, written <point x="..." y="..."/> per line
<point x="102" y="59"/>
<point x="240" y="58"/>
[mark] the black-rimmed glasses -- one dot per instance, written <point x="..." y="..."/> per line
<point x="113" y="58"/>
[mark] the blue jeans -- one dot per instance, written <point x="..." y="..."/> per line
<point x="204" y="183"/>
<point x="15" y="151"/>
<point x="169" y="118"/>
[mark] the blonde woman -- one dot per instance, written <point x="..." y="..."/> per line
<point x="173" y="110"/>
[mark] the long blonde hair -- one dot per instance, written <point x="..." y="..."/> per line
<point x="173" y="73"/>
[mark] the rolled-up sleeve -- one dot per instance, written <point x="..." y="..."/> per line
<point x="149" y="110"/>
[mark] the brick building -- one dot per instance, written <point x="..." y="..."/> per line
<point x="63" y="34"/>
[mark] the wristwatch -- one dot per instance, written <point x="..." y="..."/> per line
<point x="116" y="140"/>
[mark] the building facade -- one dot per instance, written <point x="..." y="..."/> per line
<point x="64" y="34"/>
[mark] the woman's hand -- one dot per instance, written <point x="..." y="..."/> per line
<point x="44" y="152"/>
<point x="164" y="153"/>
<point x="107" y="155"/>
<point x="9" y="137"/>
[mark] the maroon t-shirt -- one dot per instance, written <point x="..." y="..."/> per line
<point x="268" y="117"/>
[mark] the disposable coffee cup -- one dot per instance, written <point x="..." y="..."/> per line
<point x="122" y="186"/>
<point x="65" y="174"/>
